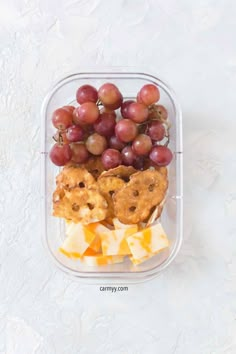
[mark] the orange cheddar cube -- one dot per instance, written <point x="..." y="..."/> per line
<point x="100" y="260"/>
<point x="147" y="242"/>
<point x="97" y="229"/>
<point x="77" y="241"/>
<point x="143" y="259"/>
<point x="114" y="241"/>
<point x="96" y="244"/>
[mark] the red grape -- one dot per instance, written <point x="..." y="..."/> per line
<point x="79" y="153"/>
<point x="139" y="163"/>
<point x="142" y="145"/>
<point x="124" y="108"/>
<point x="74" y="116"/>
<point x="61" y="119"/>
<point x="156" y="130"/>
<point x="111" y="158"/>
<point x="88" y="129"/>
<point x="158" y="112"/>
<point x="96" y="144"/>
<point x="75" y="133"/>
<point x="86" y="93"/>
<point x="128" y="156"/>
<point x="161" y="111"/>
<point x="116" y="143"/>
<point x="139" y="98"/>
<point x="152" y="115"/>
<point x="60" y="154"/>
<point x="108" y="111"/>
<point x="69" y="108"/>
<point x="105" y="124"/>
<point x="149" y="94"/>
<point x="142" y="128"/>
<point x="137" y="112"/>
<point x="87" y="113"/>
<point x="126" y="130"/>
<point x="116" y="105"/>
<point x="161" y="155"/>
<point x="110" y="96"/>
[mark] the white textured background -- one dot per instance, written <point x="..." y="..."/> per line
<point x="191" y="309"/>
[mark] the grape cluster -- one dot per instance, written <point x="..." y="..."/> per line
<point x="140" y="133"/>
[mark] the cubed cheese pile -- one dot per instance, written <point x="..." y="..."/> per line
<point x="96" y="244"/>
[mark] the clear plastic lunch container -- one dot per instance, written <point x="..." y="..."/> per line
<point x="129" y="83"/>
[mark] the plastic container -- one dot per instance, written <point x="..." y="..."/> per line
<point x="129" y="83"/>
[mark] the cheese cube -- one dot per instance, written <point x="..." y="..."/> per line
<point x="140" y="260"/>
<point x="143" y="259"/>
<point x="100" y="260"/>
<point x="96" y="244"/>
<point x="77" y="241"/>
<point x="114" y="241"/>
<point x="147" y="242"/>
<point x="97" y="229"/>
<point x="90" y="252"/>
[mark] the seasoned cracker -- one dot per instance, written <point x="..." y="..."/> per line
<point x="107" y="187"/>
<point x="121" y="171"/>
<point x="80" y="205"/>
<point x="134" y="202"/>
<point x="75" y="177"/>
<point x="94" y="166"/>
<point x="150" y="165"/>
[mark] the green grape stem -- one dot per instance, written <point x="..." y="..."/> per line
<point x="60" y="140"/>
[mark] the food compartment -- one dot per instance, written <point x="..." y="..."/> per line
<point x="171" y="219"/>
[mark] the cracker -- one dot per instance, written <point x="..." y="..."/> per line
<point x="123" y="172"/>
<point x="94" y="166"/>
<point x="150" y="165"/>
<point x="134" y="202"/>
<point x="80" y="205"/>
<point x="107" y="187"/>
<point x="75" y="177"/>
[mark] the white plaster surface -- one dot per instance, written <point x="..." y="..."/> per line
<point x="191" y="308"/>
